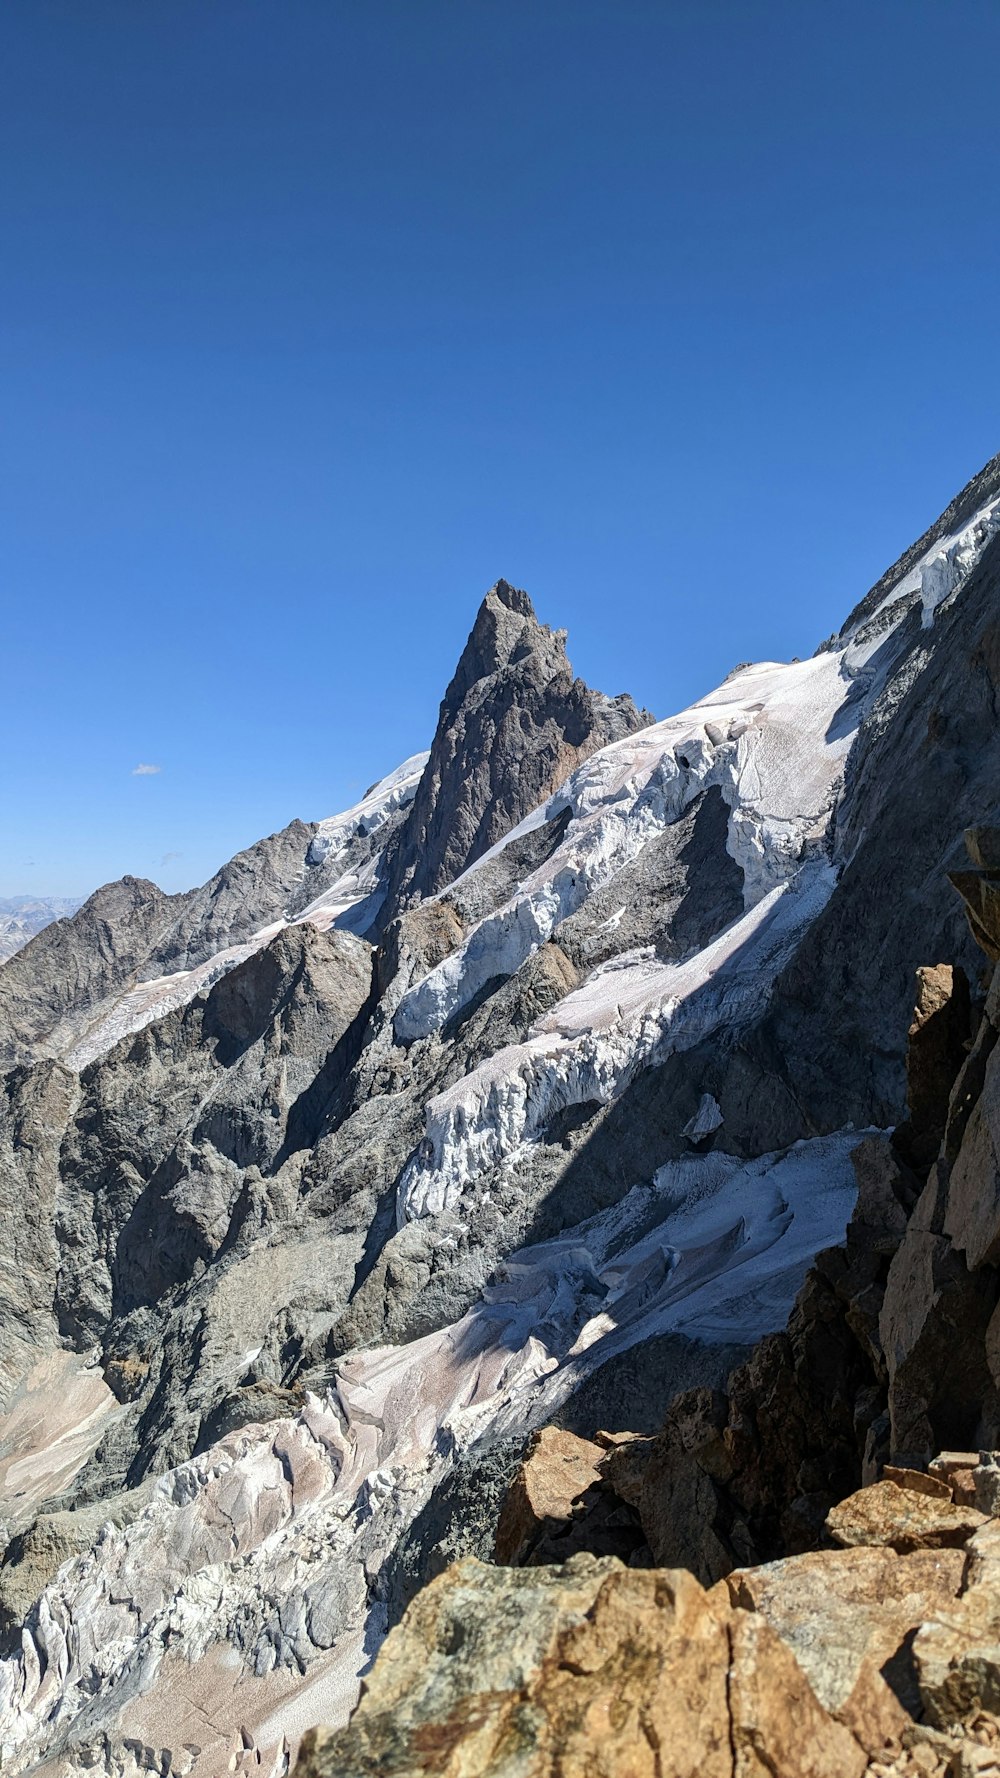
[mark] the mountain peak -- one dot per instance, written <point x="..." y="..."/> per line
<point x="505" y="631"/>
<point x="513" y="723"/>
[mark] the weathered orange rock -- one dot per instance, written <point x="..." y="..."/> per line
<point x="623" y="1466"/>
<point x="845" y="1615"/>
<point x="554" y="1477"/>
<point x="778" y="1723"/>
<point x="901" y="1519"/>
<point x="917" y="1481"/>
<point x="955" y="1468"/>
<point x="590" y="1670"/>
<point x="957" y="1652"/>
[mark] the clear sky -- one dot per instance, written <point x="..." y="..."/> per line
<point x="317" y="317"/>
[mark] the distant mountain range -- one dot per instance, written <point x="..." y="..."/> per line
<point x="21" y="916"/>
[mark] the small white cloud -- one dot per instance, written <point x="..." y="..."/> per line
<point x="145" y="771"/>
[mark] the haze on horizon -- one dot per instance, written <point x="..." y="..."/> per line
<point x="317" y="320"/>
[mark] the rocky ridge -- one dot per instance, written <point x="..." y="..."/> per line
<point x="877" y="1657"/>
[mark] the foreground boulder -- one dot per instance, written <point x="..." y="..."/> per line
<point x="586" y="1669"/>
<point x="882" y="1658"/>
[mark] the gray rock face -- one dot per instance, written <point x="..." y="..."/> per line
<point x="924" y="765"/>
<point x="513" y="724"/>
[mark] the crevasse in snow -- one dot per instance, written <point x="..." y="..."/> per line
<point x="630" y="1014"/>
<point x="763" y="738"/>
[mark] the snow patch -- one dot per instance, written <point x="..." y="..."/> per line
<point x="630" y="1014"/>
<point x="765" y="738"/>
<point x="394" y="792"/>
<point x="335" y="840"/>
<point x="940" y="573"/>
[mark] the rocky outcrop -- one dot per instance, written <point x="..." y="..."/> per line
<point x="880" y="1657"/>
<point x="888" y="1352"/>
<point x="131" y="931"/>
<point x="541" y="1671"/>
<point x="513" y="724"/>
<point x="133" y="1200"/>
<point x="559" y="1502"/>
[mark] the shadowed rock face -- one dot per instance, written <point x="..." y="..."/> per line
<point x="513" y="724"/>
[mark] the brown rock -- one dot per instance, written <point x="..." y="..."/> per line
<point x="886" y="1514"/>
<point x="955" y="1468"/>
<point x="552" y="1481"/>
<point x="957" y="1652"/>
<point x="526" y="1673"/>
<point x="936" y="1049"/>
<point x="624" y="1466"/>
<point x="917" y="1481"/>
<point x="585" y="1671"/>
<point x="980" y="891"/>
<point x="846" y="1616"/>
<point x="778" y="1724"/>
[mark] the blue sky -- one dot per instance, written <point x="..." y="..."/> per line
<point x="316" y="318"/>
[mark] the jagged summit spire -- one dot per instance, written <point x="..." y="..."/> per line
<point x="506" y="630"/>
<point x="513" y="723"/>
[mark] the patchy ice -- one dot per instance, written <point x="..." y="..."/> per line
<point x="943" y="570"/>
<point x="632" y="1013"/>
<point x="248" y="1587"/>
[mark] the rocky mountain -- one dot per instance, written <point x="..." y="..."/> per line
<point x="21" y="916"/>
<point x="523" y="1094"/>
<point x="513" y="725"/>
